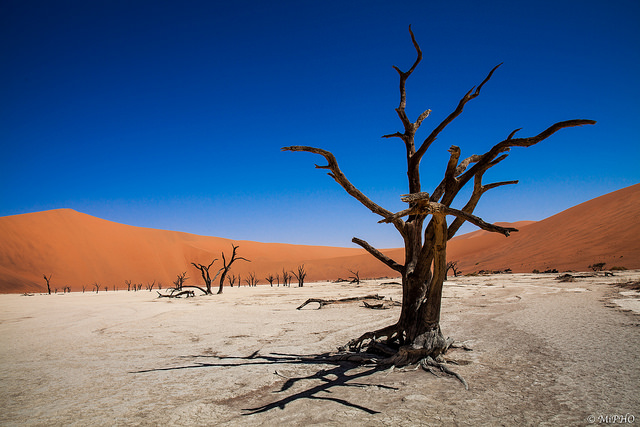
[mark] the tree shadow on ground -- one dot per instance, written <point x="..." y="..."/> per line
<point x="341" y="374"/>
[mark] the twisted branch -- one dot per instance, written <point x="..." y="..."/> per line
<point x="379" y="255"/>
<point x="415" y="160"/>
<point x="423" y="206"/>
<point x="341" y="179"/>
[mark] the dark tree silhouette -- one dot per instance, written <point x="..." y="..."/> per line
<point x="270" y="278"/>
<point x="252" y="281"/>
<point x="453" y="266"/>
<point x="227" y="266"/>
<point x="48" y="280"/>
<point x="204" y="270"/>
<point x="300" y="275"/>
<point x="355" y="278"/>
<point x="286" y="278"/>
<point x="416" y="336"/>
<point x="178" y="284"/>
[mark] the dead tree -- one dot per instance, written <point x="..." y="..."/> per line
<point x="231" y="279"/>
<point x="598" y="266"/>
<point x="96" y="286"/>
<point x="286" y="278"/>
<point x="300" y="275"/>
<point x="204" y="270"/>
<point x="270" y="278"/>
<point x="251" y="281"/>
<point x="355" y="278"/>
<point x="453" y="266"/>
<point x="48" y="280"/>
<point x="179" y="282"/>
<point x="416" y="335"/>
<point x="227" y="266"/>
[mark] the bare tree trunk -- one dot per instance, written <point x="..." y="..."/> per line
<point x="417" y="335"/>
<point x="300" y="275"/>
<point x="48" y="279"/>
<point x="227" y="266"/>
<point x="204" y="270"/>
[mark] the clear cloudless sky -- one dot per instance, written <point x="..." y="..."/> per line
<point x="171" y="114"/>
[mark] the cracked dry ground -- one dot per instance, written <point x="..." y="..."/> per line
<point x="545" y="353"/>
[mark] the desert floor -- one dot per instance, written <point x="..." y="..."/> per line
<point x="545" y="352"/>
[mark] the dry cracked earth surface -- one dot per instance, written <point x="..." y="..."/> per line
<point x="545" y="352"/>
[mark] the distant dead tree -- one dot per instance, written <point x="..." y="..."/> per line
<point x="270" y="278"/>
<point x="355" y="278"/>
<point x="278" y="279"/>
<point x="226" y="266"/>
<point x="300" y="275"/>
<point x="106" y="288"/>
<point x="598" y="266"/>
<point x="179" y="282"/>
<point x="251" y="281"/>
<point x="84" y="288"/>
<point x="416" y="336"/>
<point x="128" y="283"/>
<point x="453" y="266"/>
<point x="286" y="278"/>
<point x="150" y="286"/>
<point x="204" y="270"/>
<point x="48" y="280"/>
<point x="231" y="279"/>
<point x="96" y="286"/>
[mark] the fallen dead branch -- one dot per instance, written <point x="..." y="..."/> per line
<point x="382" y="306"/>
<point x="324" y="302"/>
<point x="177" y="295"/>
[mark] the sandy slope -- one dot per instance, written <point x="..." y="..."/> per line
<point x="79" y="249"/>
<point x="605" y="229"/>
<point x="545" y="353"/>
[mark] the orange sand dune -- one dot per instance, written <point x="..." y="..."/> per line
<point x="605" y="229"/>
<point x="79" y="250"/>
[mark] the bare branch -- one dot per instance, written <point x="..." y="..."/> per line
<point x="488" y="187"/>
<point x="477" y="221"/>
<point x="341" y="179"/>
<point x="379" y="255"/>
<point x="505" y="145"/>
<point x="513" y="133"/>
<point x="405" y="75"/>
<point x="394" y="135"/>
<point x="432" y="137"/>
<point x="466" y="162"/>
<point x="421" y="117"/>
<point x="423" y="206"/>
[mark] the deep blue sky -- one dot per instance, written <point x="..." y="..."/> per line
<point x="171" y="114"/>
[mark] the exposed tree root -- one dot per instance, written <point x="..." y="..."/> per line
<point x="428" y="364"/>
<point x="385" y="347"/>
